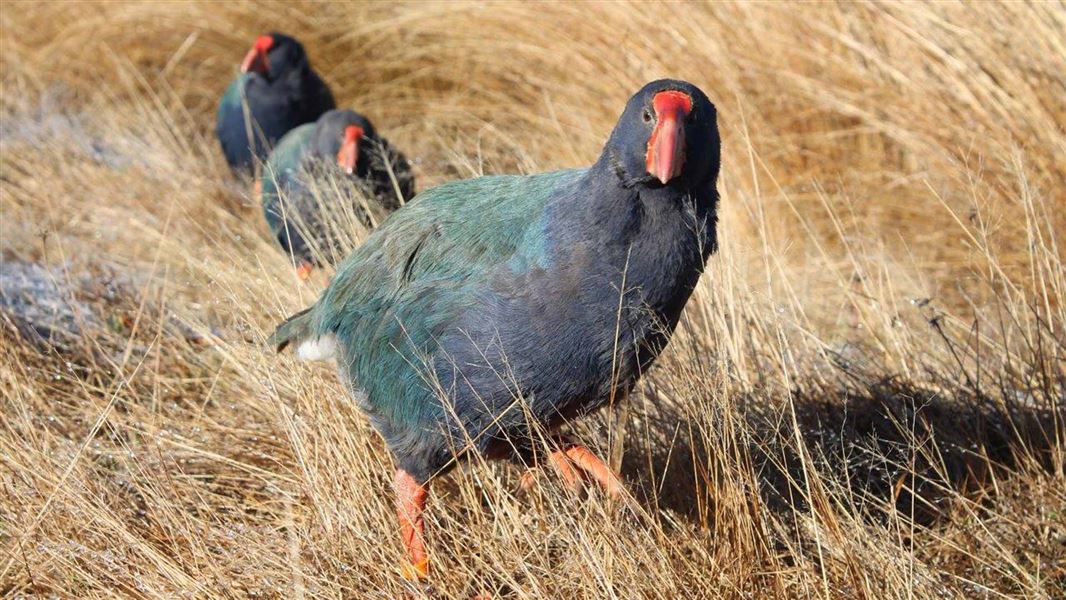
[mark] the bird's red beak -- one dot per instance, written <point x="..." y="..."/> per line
<point x="666" y="146"/>
<point x="256" y="60"/>
<point x="349" y="152"/>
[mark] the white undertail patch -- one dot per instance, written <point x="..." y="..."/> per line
<point x="321" y="348"/>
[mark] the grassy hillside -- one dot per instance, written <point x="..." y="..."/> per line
<point x="866" y="397"/>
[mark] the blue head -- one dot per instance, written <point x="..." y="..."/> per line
<point x="275" y="55"/>
<point x="667" y="136"/>
<point x="340" y="135"/>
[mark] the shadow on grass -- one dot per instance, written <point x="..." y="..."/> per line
<point x="888" y="446"/>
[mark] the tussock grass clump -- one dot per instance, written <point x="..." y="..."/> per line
<point x="865" y="397"/>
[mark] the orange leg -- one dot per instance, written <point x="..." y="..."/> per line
<point x="576" y="462"/>
<point x="410" y="504"/>
<point x="303" y="271"/>
<point x="596" y="469"/>
<point x="257" y="190"/>
<point x="571" y="477"/>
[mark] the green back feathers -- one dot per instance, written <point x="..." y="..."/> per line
<point x="456" y="232"/>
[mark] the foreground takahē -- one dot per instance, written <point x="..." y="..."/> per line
<point x="342" y="144"/>
<point x="558" y="289"/>
<point x="280" y="91"/>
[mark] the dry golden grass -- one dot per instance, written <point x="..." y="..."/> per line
<point x="864" y="399"/>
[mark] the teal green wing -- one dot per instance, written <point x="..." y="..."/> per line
<point x="230" y="125"/>
<point x="231" y="98"/>
<point x="408" y="282"/>
<point x="281" y="170"/>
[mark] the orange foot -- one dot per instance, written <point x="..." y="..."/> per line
<point x="304" y="270"/>
<point x="416" y="571"/>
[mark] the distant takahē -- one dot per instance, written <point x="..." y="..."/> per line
<point x="558" y="289"/>
<point x="342" y="143"/>
<point x="279" y="91"/>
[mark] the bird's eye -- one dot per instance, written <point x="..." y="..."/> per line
<point x="647" y="116"/>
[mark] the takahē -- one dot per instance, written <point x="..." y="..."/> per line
<point x="486" y="307"/>
<point x="278" y="89"/>
<point x="364" y="166"/>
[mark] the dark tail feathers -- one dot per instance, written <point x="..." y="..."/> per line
<point x="295" y="329"/>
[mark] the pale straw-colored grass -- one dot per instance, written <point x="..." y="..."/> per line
<point x="864" y="398"/>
